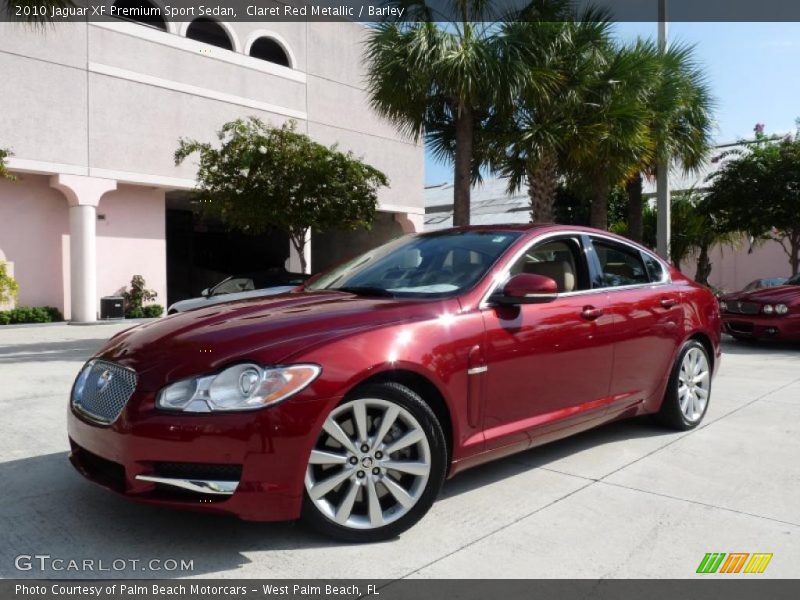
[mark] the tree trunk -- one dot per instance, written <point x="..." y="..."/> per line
<point x="794" y="244"/>
<point x="463" y="166"/>
<point x="634" y="190"/>
<point x="599" y="215"/>
<point x="703" y="266"/>
<point x="299" y="243"/>
<point x="542" y="179"/>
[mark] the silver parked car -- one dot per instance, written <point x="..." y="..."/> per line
<point x="239" y="287"/>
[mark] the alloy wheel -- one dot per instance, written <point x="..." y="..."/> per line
<point x="370" y="465"/>
<point x="694" y="381"/>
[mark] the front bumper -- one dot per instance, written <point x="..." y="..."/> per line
<point x="250" y="464"/>
<point x="786" y="327"/>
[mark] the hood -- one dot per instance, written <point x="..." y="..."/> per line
<point x="783" y="294"/>
<point x="266" y="330"/>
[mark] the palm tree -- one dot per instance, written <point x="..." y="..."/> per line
<point x="536" y="134"/>
<point x="680" y="119"/>
<point x="444" y="76"/>
<point x="611" y="130"/>
<point x="696" y="229"/>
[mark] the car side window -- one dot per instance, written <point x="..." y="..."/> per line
<point x="620" y="265"/>
<point x="234" y="285"/>
<point x="654" y="268"/>
<point x="559" y="259"/>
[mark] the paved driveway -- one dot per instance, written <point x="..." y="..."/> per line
<point x="625" y="500"/>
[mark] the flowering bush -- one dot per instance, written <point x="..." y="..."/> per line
<point x="136" y="296"/>
<point x="4" y="174"/>
<point x="8" y="286"/>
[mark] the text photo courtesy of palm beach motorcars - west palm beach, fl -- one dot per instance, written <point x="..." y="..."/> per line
<point x="401" y="299"/>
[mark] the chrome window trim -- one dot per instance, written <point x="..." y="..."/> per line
<point x="503" y="275"/>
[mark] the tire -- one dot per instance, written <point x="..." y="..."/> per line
<point x="685" y="406"/>
<point x="352" y="493"/>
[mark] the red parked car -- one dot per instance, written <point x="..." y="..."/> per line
<point x="772" y="312"/>
<point x="350" y="400"/>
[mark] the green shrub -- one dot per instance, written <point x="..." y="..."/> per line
<point x="30" y="314"/>
<point x="153" y="311"/>
<point x="8" y="287"/>
<point x="135" y="313"/>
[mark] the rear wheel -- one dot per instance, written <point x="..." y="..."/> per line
<point x="377" y="466"/>
<point x="689" y="390"/>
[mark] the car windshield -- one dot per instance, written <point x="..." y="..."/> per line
<point x="426" y="265"/>
<point x="246" y="282"/>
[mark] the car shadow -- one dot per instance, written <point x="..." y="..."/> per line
<point x="542" y="456"/>
<point x="49" y="509"/>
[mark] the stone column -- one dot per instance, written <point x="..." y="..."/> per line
<point x="83" y="195"/>
<point x="410" y="222"/>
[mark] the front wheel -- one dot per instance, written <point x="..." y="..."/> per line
<point x="689" y="390"/>
<point x="377" y="466"/>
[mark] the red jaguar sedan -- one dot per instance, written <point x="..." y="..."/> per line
<point x="348" y="401"/>
<point x="765" y="313"/>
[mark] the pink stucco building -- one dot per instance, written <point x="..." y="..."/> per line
<point x="93" y="113"/>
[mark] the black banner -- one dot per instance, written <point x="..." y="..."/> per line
<point x="736" y="588"/>
<point x="408" y="10"/>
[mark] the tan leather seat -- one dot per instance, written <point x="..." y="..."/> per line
<point x="559" y="271"/>
<point x="620" y="270"/>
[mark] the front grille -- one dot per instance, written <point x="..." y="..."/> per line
<point x="102" y="392"/>
<point x="743" y="308"/>
<point x="207" y="472"/>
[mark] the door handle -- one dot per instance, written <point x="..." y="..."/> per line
<point x="669" y="302"/>
<point x="591" y="313"/>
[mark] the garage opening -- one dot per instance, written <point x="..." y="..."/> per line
<point x="202" y="252"/>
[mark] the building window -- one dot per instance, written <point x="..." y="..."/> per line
<point x="268" y="49"/>
<point x="209" y="31"/>
<point x="143" y="12"/>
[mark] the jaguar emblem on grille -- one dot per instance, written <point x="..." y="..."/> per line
<point x="104" y="379"/>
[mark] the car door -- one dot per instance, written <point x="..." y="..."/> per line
<point x="548" y="364"/>
<point x="647" y="315"/>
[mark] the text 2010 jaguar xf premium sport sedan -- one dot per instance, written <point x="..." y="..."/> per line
<point x="349" y="402"/>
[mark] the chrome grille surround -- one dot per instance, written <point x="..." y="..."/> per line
<point x="743" y="308"/>
<point x="102" y="390"/>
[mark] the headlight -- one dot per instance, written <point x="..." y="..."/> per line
<point x="767" y="309"/>
<point x="781" y="309"/>
<point x="723" y="306"/>
<point x="241" y="387"/>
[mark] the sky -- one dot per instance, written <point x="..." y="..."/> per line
<point x="752" y="69"/>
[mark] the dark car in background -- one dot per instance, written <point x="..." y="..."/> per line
<point x="241" y="287"/>
<point x="767" y="312"/>
<point x="766" y="282"/>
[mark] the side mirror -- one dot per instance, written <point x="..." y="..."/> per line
<point x="205" y="293"/>
<point x="527" y="288"/>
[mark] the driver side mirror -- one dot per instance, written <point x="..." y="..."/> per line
<point x="205" y="293"/>
<point x="527" y="288"/>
